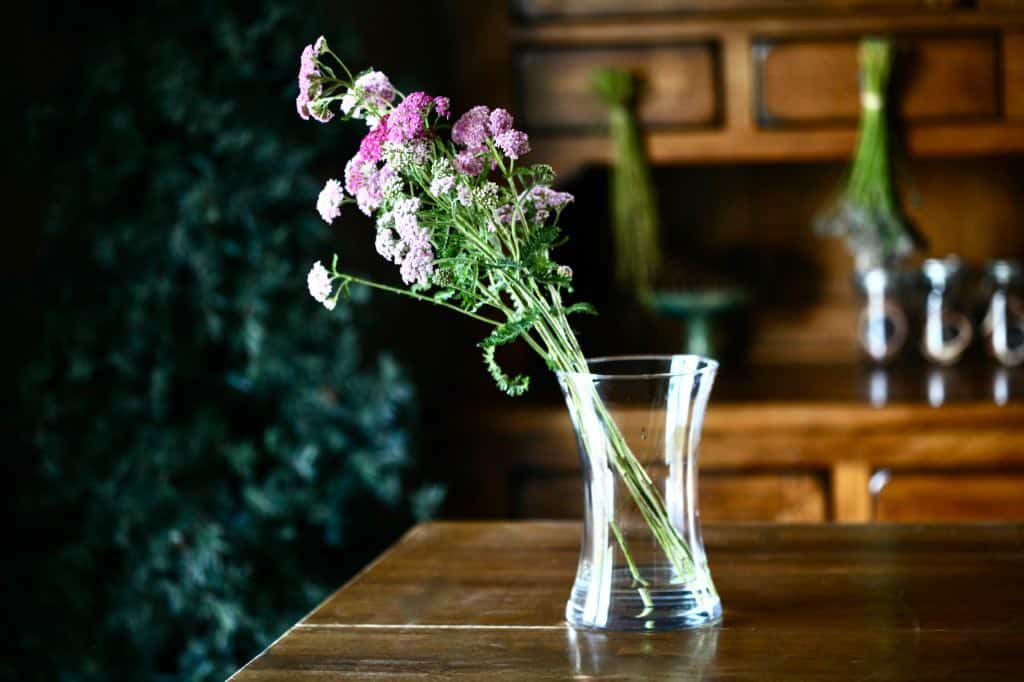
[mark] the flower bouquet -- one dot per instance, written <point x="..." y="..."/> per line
<point x="471" y="229"/>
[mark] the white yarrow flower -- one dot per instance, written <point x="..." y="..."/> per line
<point x="319" y="282"/>
<point x="328" y="204"/>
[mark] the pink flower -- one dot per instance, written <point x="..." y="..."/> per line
<point x="377" y="88"/>
<point x="504" y="214"/>
<point x="418" y="265"/>
<point x="309" y="85"/>
<point x="371" y="146"/>
<point x="514" y="143"/>
<point x="408" y="119"/>
<point x="443" y="107"/>
<point x="357" y="170"/>
<point x="542" y="196"/>
<point x="468" y="162"/>
<point x="500" y="122"/>
<point x="329" y="201"/>
<point x="471" y="130"/>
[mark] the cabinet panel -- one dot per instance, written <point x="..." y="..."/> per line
<point x="815" y="81"/>
<point x="724" y="497"/>
<point x="1013" y="72"/>
<point x="678" y="85"/>
<point x="952" y="496"/>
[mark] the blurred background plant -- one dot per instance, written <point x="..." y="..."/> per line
<point x="867" y="210"/>
<point x="199" y="447"/>
<point x="636" y="227"/>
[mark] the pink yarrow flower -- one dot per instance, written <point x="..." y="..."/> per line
<point x="469" y="162"/>
<point x="328" y="204"/>
<point x="471" y="130"/>
<point x="514" y="143"/>
<point x="371" y="147"/>
<point x="479" y="126"/>
<point x="370" y="94"/>
<point x="408" y="120"/>
<point x="500" y="121"/>
<point x="309" y="84"/>
<point x="443" y="106"/>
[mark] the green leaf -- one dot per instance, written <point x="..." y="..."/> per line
<point x="584" y="308"/>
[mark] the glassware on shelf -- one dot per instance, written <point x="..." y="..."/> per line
<point x="638" y="423"/>
<point x="882" y="326"/>
<point x="947" y="327"/>
<point x="1004" y="320"/>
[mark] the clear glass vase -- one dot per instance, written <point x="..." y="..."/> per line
<point x="638" y="423"/>
<point x="1004" y="320"/>
<point x="947" y="327"/>
<point x="882" y="323"/>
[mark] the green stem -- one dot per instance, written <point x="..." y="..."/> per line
<point x="412" y="294"/>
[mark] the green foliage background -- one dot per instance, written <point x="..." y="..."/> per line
<point x="203" y="451"/>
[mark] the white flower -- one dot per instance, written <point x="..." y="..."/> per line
<point x="319" y="282"/>
<point x="406" y="206"/>
<point x="441" y="185"/>
<point x="329" y="201"/>
<point x="348" y="102"/>
<point x="487" y="195"/>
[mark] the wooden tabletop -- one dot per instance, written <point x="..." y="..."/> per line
<point x="475" y="601"/>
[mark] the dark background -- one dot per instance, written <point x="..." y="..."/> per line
<point x="199" y="451"/>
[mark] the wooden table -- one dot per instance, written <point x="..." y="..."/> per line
<point x="474" y="601"/>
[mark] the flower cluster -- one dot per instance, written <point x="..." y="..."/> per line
<point x="368" y="96"/>
<point x="328" y="204"/>
<point x="471" y="231"/>
<point x="454" y="212"/>
<point x="479" y="130"/>
<point x="310" y="84"/>
<point x="402" y="240"/>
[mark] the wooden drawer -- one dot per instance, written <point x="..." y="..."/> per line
<point x="949" y="496"/>
<point x="815" y="81"/>
<point x="723" y="497"/>
<point x="540" y="9"/>
<point x="679" y="85"/>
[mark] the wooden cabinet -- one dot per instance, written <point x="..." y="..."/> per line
<point x="724" y="496"/>
<point x="910" y="496"/>
<point x="814" y="81"/>
<point x="680" y="91"/>
<point x="782" y="461"/>
<point x="750" y="80"/>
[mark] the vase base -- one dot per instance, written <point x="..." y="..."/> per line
<point x="675" y="608"/>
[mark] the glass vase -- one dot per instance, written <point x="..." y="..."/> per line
<point x="947" y="327"/>
<point x="1004" y="320"/>
<point x="882" y="323"/>
<point x="638" y="423"/>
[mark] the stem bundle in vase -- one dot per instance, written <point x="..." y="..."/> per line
<point x="867" y="210"/>
<point x="471" y="229"/>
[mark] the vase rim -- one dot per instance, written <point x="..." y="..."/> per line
<point x="695" y="365"/>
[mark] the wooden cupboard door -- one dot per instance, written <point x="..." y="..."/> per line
<point x="724" y="496"/>
<point x="679" y="85"/>
<point x="937" y="78"/>
<point x="949" y="496"/>
<point x="790" y="497"/>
